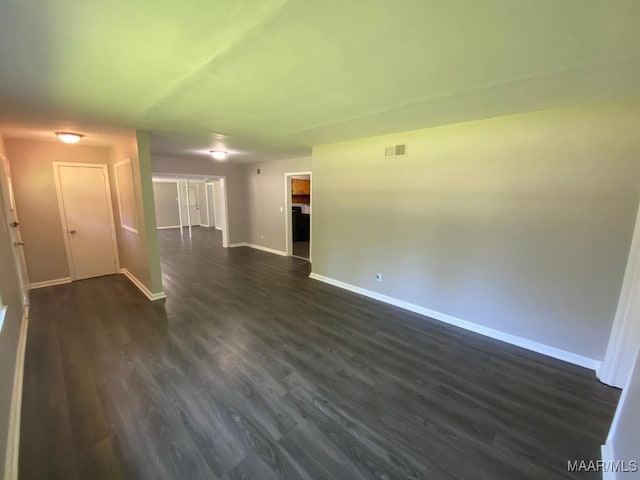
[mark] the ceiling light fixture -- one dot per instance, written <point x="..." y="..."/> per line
<point x="68" y="137"/>
<point x="218" y="154"/>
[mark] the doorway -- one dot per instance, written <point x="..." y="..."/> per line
<point x="84" y="201"/>
<point x="298" y="193"/>
<point x="186" y="201"/>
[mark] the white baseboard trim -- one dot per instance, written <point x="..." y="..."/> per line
<point x="608" y="459"/>
<point x="151" y="296"/>
<point x="267" y="249"/>
<point x="13" y="438"/>
<point x="474" y="327"/>
<point x="258" y="247"/>
<point x="170" y="226"/>
<point x="219" y="228"/>
<point x="49" y="283"/>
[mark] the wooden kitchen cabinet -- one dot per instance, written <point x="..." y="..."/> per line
<point x="300" y="187"/>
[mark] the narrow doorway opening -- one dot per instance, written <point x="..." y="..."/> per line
<point x="183" y="202"/>
<point x="298" y="209"/>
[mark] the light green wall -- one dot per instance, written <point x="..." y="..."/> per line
<point x="521" y="224"/>
<point x="266" y="197"/>
<point x="11" y="297"/>
<point x="147" y="213"/>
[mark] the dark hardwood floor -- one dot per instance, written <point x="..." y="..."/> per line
<point x="252" y="370"/>
<point x="301" y="249"/>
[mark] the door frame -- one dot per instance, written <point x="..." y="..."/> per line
<point x="208" y="192"/>
<point x="287" y="212"/>
<point x="624" y="340"/>
<point x="63" y="218"/>
<point x="222" y="183"/>
<point x="8" y="204"/>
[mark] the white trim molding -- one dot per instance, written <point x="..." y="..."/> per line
<point x="267" y="249"/>
<point x="49" y="283"/>
<point x="608" y="458"/>
<point x="624" y="341"/>
<point x="170" y="226"/>
<point x="151" y="296"/>
<point x="13" y="438"/>
<point x="259" y="247"/>
<point x="473" y="327"/>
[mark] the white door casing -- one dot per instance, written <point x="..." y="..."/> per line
<point x="211" y="210"/>
<point x="84" y="200"/>
<point x="287" y="212"/>
<point x="624" y="340"/>
<point x="7" y="202"/>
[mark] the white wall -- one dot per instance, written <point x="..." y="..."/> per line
<point x="519" y="224"/>
<point x="624" y="437"/>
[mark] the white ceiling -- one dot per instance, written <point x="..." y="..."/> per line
<point x="267" y="79"/>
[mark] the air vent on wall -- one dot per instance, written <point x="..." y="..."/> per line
<point x="396" y="151"/>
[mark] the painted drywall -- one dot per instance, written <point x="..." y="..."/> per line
<point x="139" y="252"/>
<point x="236" y="186"/>
<point x="147" y="221"/>
<point x="10" y="296"/>
<point x="218" y="202"/>
<point x="266" y="197"/>
<point x="37" y="203"/>
<point x="521" y="224"/>
<point x="165" y="195"/>
<point x="624" y="437"/>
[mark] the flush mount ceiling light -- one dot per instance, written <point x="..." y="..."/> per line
<point x="68" y="137"/>
<point x="218" y="154"/>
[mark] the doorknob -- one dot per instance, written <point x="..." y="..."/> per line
<point x="18" y="244"/>
<point x="72" y="232"/>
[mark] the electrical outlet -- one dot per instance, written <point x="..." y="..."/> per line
<point x="261" y="237"/>
<point x="378" y="277"/>
<point x="281" y="209"/>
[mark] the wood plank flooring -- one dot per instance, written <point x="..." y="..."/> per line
<point x="250" y="370"/>
<point x="301" y="249"/>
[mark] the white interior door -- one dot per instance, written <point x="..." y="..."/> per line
<point x="87" y="217"/>
<point x="11" y="214"/>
